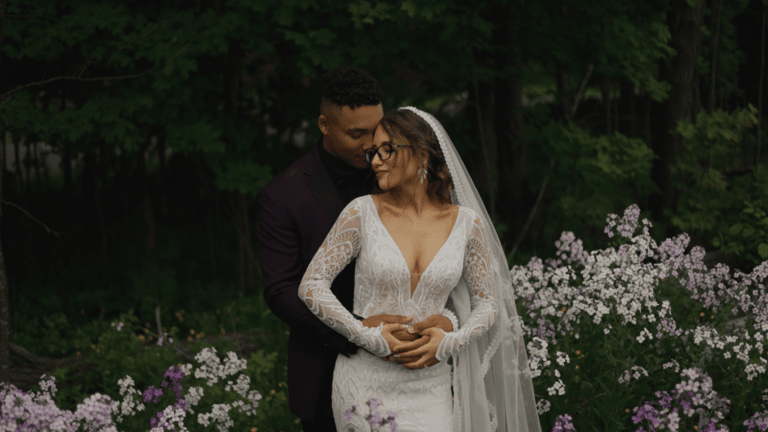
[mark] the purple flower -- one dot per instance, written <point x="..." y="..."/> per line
<point x="563" y="424"/>
<point x="391" y="415"/>
<point x="375" y="419"/>
<point x="348" y="414"/>
<point x="374" y="403"/>
<point x="392" y="426"/>
<point x="152" y="392"/>
<point x="646" y="412"/>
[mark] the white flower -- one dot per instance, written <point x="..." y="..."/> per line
<point x="543" y="406"/>
<point x="643" y="335"/>
<point x="558" y="387"/>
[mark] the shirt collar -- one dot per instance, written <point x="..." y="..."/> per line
<point x="339" y="171"/>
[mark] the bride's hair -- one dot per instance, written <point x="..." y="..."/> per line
<point x="408" y="128"/>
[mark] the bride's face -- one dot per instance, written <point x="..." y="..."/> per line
<point x="400" y="169"/>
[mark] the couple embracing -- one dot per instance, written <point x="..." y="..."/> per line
<point x="377" y="246"/>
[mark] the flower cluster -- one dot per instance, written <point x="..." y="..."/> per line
<point x="620" y="283"/>
<point x="38" y="412"/>
<point x="538" y="356"/>
<point x="636" y="372"/>
<point x="543" y="406"/>
<point x="374" y="418"/>
<point x="563" y="424"/>
<point x="614" y="291"/>
<point x="25" y="412"/>
<point x="693" y="395"/>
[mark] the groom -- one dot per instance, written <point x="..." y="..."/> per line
<point x="298" y="208"/>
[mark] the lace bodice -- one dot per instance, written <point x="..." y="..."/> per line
<point x="383" y="279"/>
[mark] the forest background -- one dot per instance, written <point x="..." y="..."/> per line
<point x="136" y="137"/>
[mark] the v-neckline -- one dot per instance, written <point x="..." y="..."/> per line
<point x="410" y="273"/>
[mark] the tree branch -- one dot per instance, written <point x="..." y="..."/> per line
<point x="533" y="211"/>
<point x="50" y="231"/>
<point x="580" y="92"/>
<point x="8" y="96"/>
<point x="30" y="16"/>
<point x="738" y="171"/>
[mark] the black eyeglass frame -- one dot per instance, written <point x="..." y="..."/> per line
<point x="373" y="150"/>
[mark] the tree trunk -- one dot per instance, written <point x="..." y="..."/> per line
<point x="760" y="91"/>
<point x="483" y="117"/>
<point x="90" y="191"/>
<point x="247" y="240"/>
<point x="680" y="71"/>
<point x="211" y="244"/>
<point x="647" y="121"/>
<point x="37" y="165"/>
<point x="146" y="206"/>
<point x="511" y="140"/>
<point x="162" y="178"/>
<point x="480" y="114"/>
<point x="27" y="169"/>
<point x="627" y="109"/>
<point x="240" y="249"/>
<point x="69" y="187"/>
<point x="5" y="153"/>
<point x="17" y="159"/>
<point x="5" y="337"/>
<point x="605" y="89"/>
<point x="713" y="43"/>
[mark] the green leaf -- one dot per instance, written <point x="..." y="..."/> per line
<point x="762" y="250"/>
<point x="246" y="177"/>
<point x="736" y="229"/>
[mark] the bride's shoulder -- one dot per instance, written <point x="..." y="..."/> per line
<point x="355" y="204"/>
<point x="473" y="216"/>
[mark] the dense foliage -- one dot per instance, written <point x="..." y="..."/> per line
<point x="141" y="133"/>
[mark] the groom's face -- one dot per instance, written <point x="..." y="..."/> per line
<point x="347" y="133"/>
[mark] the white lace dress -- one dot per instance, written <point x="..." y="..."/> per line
<point x="421" y="399"/>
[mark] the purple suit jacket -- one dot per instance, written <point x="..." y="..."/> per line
<point x="298" y="208"/>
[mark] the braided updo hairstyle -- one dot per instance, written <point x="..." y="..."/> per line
<point x="410" y="129"/>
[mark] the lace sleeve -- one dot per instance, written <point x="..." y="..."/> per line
<point x="484" y="299"/>
<point x="341" y="245"/>
<point x="448" y="313"/>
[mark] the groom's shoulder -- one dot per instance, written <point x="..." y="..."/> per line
<point x="293" y="178"/>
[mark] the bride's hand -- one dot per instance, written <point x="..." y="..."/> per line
<point x="392" y="341"/>
<point x="425" y="352"/>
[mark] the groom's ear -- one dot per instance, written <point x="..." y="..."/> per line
<point x="322" y="123"/>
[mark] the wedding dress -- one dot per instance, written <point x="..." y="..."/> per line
<point x="421" y="399"/>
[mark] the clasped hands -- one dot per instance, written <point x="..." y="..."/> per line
<point x="415" y="347"/>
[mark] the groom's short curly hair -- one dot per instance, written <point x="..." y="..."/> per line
<point x="408" y="128"/>
<point x="348" y="86"/>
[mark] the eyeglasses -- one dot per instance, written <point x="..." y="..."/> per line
<point x="384" y="154"/>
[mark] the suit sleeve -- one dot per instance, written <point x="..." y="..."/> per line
<point x="341" y="246"/>
<point x="282" y="270"/>
<point x="484" y="298"/>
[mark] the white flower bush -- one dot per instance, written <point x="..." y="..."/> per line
<point x="612" y="298"/>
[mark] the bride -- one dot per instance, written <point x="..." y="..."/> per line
<point x="419" y="245"/>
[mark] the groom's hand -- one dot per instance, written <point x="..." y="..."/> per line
<point x="412" y="334"/>
<point x="374" y="321"/>
<point x="436" y="321"/>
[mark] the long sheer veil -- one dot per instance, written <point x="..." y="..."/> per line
<point x="492" y="385"/>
